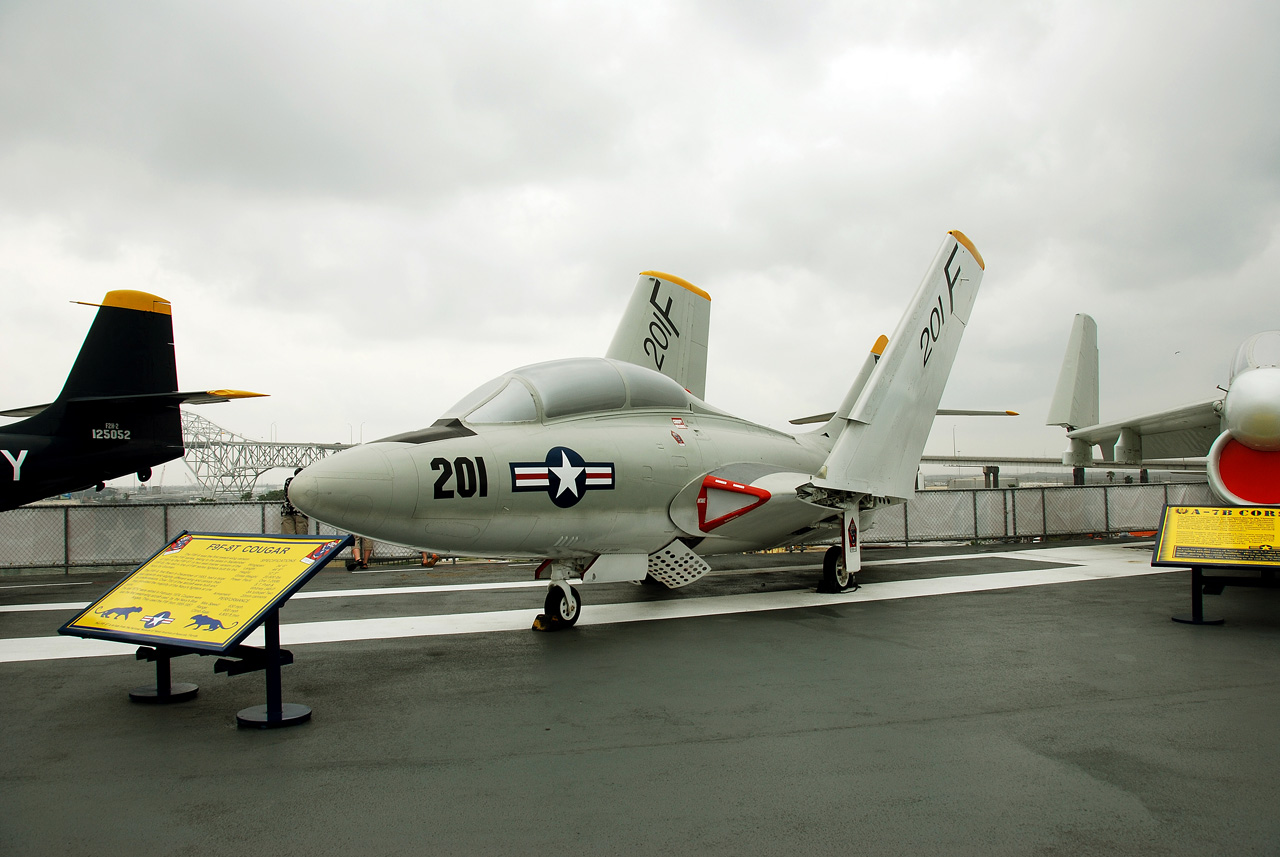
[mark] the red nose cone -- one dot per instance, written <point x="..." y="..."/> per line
<point x="1252" y="475"/>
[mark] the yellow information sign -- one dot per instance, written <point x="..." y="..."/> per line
<point x="1219" y="535"/>
<point x="206" y="590"/>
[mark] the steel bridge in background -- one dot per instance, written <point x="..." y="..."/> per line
<point x="228" y="465"/>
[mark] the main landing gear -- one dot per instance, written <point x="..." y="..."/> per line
<point x="835" y="576"/>
<point x="563" y="606"/>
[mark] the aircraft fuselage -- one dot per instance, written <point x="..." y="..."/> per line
<point x="595" y="485"/>
<point x="35" y="467"/>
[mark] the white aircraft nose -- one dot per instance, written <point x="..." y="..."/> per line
<point x="1252" y="408"/>
<point x="353" y="490"/>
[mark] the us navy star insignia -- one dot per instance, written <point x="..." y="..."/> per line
<point x="567" y="474"/>
<point x="573" y="476"/>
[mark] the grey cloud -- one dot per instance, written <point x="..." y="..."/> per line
<point x="464" y="175"/>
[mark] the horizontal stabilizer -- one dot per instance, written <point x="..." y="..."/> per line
<point x="211" y="397"/>
<point x="878" y="452"/>
<point x="942" y="412"/>
<point x="201" y="397"/>
<point x="28" y="411"/>
<point x="665" y="328"/>
<point x="962" y="412"/>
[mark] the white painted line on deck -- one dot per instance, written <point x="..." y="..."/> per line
<point x="329" y="593"/>
<point x="431" y="587"/>
<point x="1092" y="563"/>
<point x="32" y="608"/>
<point x="44" y="585"/>
<point x="436" y="588"/>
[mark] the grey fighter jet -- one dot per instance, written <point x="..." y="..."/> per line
<point x="614" y="468"/>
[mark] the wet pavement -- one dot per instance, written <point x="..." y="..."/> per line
<point x="964" y="701"/>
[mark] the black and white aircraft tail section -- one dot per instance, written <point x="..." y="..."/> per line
<point x="117" y="412"/>
<point x="878" y="448"/>
<point x="665" y="327"/>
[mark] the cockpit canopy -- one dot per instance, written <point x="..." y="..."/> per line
<point x="1259" y="350"/>
<point x="565" y="388"/>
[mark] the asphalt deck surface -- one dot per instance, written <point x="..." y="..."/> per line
<point x="1048" y="718"/>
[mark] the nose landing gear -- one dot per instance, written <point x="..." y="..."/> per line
<point x="563" y="606"/>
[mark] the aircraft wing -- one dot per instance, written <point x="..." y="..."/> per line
<point x="201" y="397"/>
<point x="666" y="327"/>
<point x="1182" y="432"/>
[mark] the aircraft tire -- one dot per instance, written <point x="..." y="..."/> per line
<point x="835" y="577"/>
<point x="561" y="609"/>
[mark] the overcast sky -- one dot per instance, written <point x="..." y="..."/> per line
<point x="368" y="209"/>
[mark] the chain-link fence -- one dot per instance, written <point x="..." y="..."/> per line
<point x="126" y="534"/>
<point x="1007" y="513"/>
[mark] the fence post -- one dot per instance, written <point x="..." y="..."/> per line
<point x="1044" y="515"/>
<point x="974" y="495"/>
<point x="906" y="532"/>
<point x="1004" y="510"/>
<point x="66" y="540"/>
<point x="166" y="522"/>
<point x="1013" y="499"/>
<point x="1106" y="508"/>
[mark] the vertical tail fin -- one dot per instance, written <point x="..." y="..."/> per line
<point x="128" y="351"/>
<point x="119" y="380"/>
<point x="878" y="451"/>
<point x="1075" y="399"/>
<point x="665" y="327"/>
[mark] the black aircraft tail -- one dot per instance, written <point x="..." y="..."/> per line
<point x="118" y="410"/>
<point x="125" y="373"/>
<point x="126" y="360"/>
<point x="128" y="352"/>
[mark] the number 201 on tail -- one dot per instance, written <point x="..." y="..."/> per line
<point x="937" y="315"/>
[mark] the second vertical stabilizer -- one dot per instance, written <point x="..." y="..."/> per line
<point x="1075" y="399"/>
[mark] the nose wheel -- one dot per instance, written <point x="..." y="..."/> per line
<point x="562" y="608"/>
<point x="835" y="576"/>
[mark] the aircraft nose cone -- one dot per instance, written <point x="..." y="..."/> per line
<point x="1252" y="408"/>
<point x="304" y="492"/>
<point x="353" y="490"/>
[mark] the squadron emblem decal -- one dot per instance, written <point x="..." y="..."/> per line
<point x="564" y="476"/>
